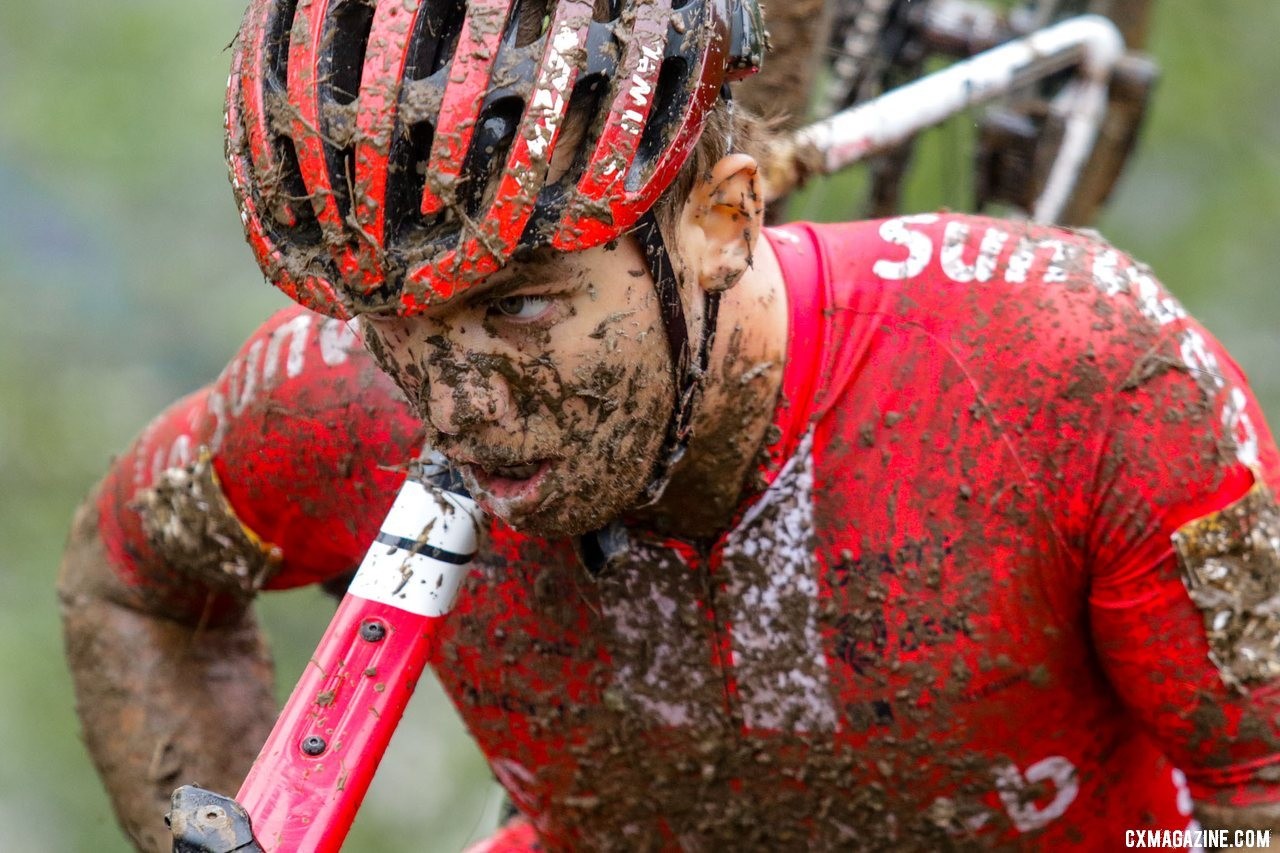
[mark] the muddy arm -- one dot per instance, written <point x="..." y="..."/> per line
<point x="163" y="699"/>
<point x="276" y="475"/>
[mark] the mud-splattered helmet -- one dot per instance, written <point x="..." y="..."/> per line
<point x="386" y="154"/>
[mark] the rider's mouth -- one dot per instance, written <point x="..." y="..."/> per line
<point x="508" y="482"/>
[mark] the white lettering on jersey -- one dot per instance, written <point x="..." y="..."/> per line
<point x="1154" y="304"/>
<point x="1202" y="363"/>
<point x="1025" y="255"/>
<point x="296" y="332"/>
<point x="954" y="242"/>
<point x="1112" y="279"/>
<point x="180" y="452"/>
<point x="1023" y="811"/>
<point x="1239" y="427"/>
<point x="217" y="407"/>
<point x="140" y="459"/>
<point x="1185" y="804"/>
<point x="919" y="247"/>
<point x="1106" y="273"/>
<point x="251" y="373"/>
<point x="177" y="455"/>
<point x="1112" y="274"/>
<point x="337" y="339"/>
<point x="242" y="383"/>
<point x="1200" y="360"/>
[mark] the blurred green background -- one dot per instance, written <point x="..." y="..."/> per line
<point x="128" y="284"/>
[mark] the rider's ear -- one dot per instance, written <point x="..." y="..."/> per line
<point x="722" y="221"/>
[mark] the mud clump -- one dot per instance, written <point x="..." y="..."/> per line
<point x="1230" y="562"/>
<point x="190" y="524"/>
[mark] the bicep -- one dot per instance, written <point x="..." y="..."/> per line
<point x="1184" y="554"/>
<point x="1183" y="683"/>
<point x="1185" y="623"/>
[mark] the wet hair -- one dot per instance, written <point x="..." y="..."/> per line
<point x="730" y="128"/>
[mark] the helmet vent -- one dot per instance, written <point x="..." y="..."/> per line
<point x="495" y="131"/>
<point x="408" y="168"/>
<point x="583" y="123"/>
<point x="439" y="25"/>
<point x="277" y="45"/>
<point x="511" y="123"/>
<point x="345" y="38"/>
<point x="347" y="33"/>
<point x="289" y="189"/>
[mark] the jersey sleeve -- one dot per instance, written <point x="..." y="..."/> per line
<point x="275" y="475"/>
<point x="1183" y="546"/>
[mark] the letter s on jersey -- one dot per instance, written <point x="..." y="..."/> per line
<point x="919" y="247"/>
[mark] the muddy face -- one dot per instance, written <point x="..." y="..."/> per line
<point x="549" y="385"/>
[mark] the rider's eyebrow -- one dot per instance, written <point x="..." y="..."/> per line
<point x="542" y="268"/>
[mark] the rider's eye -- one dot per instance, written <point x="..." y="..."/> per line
<point x="520" y="307"/>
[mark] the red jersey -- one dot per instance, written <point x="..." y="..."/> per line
<point x="1007" y="580"/>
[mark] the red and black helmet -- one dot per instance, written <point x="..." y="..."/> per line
<point x="386" y="154"/>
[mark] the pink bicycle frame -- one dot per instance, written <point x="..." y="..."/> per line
<point x="308" y="781"/>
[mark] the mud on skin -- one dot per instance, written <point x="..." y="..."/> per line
<point x="632" y="778"/>
<point x="506" y="397"/>
<point x="195" y="679"/>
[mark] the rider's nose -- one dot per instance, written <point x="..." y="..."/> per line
<point x="467" y="402"/>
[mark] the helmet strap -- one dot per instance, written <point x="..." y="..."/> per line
<point x="688" y="372"/>
<point x="599" y="548"/>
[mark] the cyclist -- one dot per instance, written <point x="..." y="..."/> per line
<point x="930" y="531"/>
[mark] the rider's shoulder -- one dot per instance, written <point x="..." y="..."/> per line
<point x="302" y="363"/>
<point x="948" y="269"/>
<point x="1008" y="301"/>
<point x="295" y="340"/>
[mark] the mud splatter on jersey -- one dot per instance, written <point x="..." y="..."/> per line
<point x="953" y="614"/>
